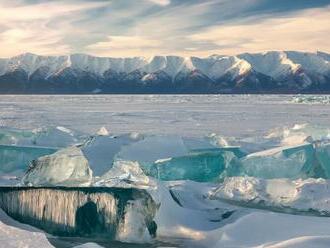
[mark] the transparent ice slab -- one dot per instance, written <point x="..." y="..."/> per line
<point x="283" y="162"/>
<point x="202" y="166"/>
<point x="100" y="151"/>
<point x="13" y="158"/>
<point x="67" y="167"/>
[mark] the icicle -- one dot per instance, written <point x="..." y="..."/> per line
<point x="91" y="212"/>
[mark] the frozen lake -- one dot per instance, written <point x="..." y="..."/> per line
<point x="208" y="193"/>
<point x="187" y="115"/>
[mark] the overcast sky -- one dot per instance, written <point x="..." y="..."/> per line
<point x="148" y="27"/>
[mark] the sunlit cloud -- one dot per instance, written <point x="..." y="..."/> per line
<point x="127" y="45"/>
<point x="27" y="28"/>
<point x="165" y="27"/>
<point x="44" y="10"/>
<point x="161" y="2"/>
<point x="168" y="30"/>
<point x="20" y="40"/>
<point x="294" y="32"/>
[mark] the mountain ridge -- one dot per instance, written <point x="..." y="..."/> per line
<point x="268" y="72"/>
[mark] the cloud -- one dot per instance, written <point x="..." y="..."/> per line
<point x="44" y="10"/>
<point x="168" y="28"/>
<point x="307" y="30"/>
<point x="129" y="45"/>
<point x="33" y="28"/>
<point x="148" y="27"/>
<point x="161" y="2"/>
<point x="20" y="40"/>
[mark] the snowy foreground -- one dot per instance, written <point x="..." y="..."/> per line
<point x="267" y="188"/>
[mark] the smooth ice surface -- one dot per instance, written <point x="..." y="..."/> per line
<point x="282" y="162"/>
<point x="263" y="229"/>
<point x="303" y="242"/>
<point x="100" y="151"/>
<point x="154" y="148"/>
<point x="158" y="148"/>
<point x="65" y="167"/>
<point x="200" y="166"/>
<point x="18" y="157"/>
<point x="323" y="157"/>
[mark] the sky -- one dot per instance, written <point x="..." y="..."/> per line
<point x="127" y="28"/>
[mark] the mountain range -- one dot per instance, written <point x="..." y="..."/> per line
<point x="269" y="72"/>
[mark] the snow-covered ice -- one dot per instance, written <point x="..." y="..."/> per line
<point x="302" y="195"/>
<point x="223" y="171"/>
<point x="16" y="235"/>
<point x="198" y="115"/>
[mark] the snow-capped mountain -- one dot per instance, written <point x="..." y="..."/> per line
<point x="283" y="71"/>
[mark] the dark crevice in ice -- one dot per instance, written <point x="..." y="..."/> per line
<point x="176" y="199"/>
<point x="87" y="219"/>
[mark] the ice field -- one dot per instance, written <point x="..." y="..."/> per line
<point x="193" y="170"/>
<point x="186" y="115"/>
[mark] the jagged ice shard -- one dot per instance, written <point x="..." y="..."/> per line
<point x="67" y="167"/>
<point x="19" y="147"/>
<point x="126" y="200"/>
<point x="177" y="158"/>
